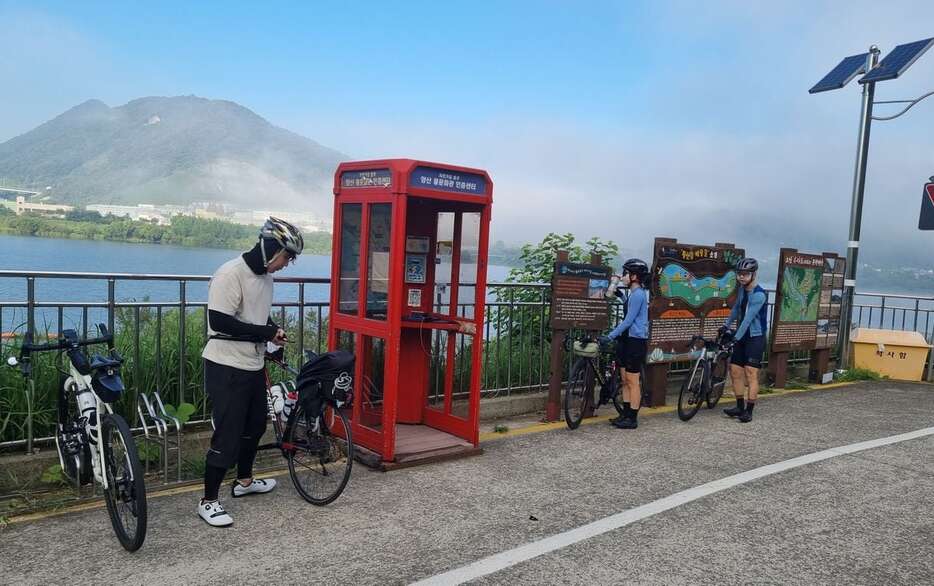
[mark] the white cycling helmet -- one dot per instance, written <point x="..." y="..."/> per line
<point x="285" y="234"/>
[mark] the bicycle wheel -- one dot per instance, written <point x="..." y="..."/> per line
<point x="126" y="490"/>
<point x="319" y="451"/>
<point x="643" y="389"/>
<point x="576" y="394"/>
<point x="692" y="391"/>
<point x="617" y="391"/>
<point x="717" y="380"/>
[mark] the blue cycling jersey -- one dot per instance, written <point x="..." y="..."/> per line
<point x="636" y="320"/>
<point x="751" y="310"/>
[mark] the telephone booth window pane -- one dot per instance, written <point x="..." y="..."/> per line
<point x="373" y="383"/>
<point x="351" y="221"/>
<point x="470" y="245"/>
<point x="463" y="371"/>
<point x="377" y="288"/>
<point x="345" y="341"/>
<point x="443" y="259"/>
<point x="437" y="369"/>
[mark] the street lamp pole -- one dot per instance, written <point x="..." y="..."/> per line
<point x="856" y="208"/>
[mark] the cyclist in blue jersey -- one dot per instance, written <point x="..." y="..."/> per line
<point x="631" y="337"/>
<point x="750" y="313"/>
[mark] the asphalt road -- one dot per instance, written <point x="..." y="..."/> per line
<point x="853" y="518"/>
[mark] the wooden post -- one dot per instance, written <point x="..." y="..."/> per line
<point x="657" y="380"/>
<point x="820" y="364"/>
<point x="553" y="406"/>
<point x="778" y="369"/>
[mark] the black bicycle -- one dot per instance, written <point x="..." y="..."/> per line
<point x="594" y="366"/>
<point x="707" y="377"/>
<point x="94" y="443"/>
<point x="310" y="423"/>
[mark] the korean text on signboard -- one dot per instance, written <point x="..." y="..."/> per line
<point x="579" y="296"/>
<point x="831" y="301"/>
<point x="692" y="290"/>
<point x="366" y="178"/>
<point x="447" y="180"/>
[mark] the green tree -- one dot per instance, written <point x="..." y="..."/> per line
<point x="525" y="327"/>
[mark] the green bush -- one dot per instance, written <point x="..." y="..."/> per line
<point x="858" y="374"/>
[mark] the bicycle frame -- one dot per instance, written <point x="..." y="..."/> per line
<point x="708" y="355"/>
<point x="88" y="412"/>
<point x="275" y="417"/>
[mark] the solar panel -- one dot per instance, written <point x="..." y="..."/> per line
<point x="842" y="74"/>
<point x="896" y="62"/>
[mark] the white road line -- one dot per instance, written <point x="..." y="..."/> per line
<point x="506" y="559"/>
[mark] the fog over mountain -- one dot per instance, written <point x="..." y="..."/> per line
<point x="170" y="150"/>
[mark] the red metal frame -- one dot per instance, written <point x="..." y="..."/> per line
<point x="402" y="364"/>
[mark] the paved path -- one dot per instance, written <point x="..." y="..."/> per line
<point x="864" y="518"/>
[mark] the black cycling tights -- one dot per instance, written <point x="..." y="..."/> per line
<point x="214" y="475"/>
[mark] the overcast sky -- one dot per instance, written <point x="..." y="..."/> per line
<point x="626" y="120"/>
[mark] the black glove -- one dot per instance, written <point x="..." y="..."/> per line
<point x="605" y="340"/>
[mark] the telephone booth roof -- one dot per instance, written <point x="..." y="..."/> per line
<point x="363" y="179"/>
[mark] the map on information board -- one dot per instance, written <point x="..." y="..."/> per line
<point x="675" y="281"/>
<point x="804" y="300"/>
<point x="691" y="292"/>
<point x="800" y="293"/>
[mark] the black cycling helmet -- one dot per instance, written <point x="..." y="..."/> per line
<point x="747" y="265"/>
<point x="636" y="266"/>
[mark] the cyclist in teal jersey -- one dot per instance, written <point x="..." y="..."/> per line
<point x="750" y="313"/>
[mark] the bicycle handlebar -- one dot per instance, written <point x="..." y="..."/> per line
<point x="64" y="343"/>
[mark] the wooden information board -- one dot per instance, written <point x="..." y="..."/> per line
<point x="693" y="287"/>
<point x="578" y="299"/>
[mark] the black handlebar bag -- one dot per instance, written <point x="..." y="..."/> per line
<point x="326" y="376"/>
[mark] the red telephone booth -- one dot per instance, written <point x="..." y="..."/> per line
<point x="408" y="279"/>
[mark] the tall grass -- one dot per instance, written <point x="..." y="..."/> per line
<point x="148" y="338"/>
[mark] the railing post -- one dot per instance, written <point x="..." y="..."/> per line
<point x="31" y="304"/>
<point x="30" y="329"/>
<point x="111" y="303"/>
<point x="301" y="323"/>
<point x="182" y="350"/>
<point x="137" y="369"/>
<point x="512" y="301"/>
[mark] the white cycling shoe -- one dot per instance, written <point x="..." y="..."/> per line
<point x="214" y="514"/>
<point x="258" y="486"/>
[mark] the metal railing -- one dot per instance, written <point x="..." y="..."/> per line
<point x="161" y="340"/>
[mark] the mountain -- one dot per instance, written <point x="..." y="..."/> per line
<point x="170" y="150"/>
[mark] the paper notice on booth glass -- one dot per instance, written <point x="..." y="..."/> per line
<point x="445" y="248"/>
<point x="415" y="297"/>
<point x="379" y="272"/>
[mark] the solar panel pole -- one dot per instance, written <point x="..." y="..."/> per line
<point x="856" y="208"/>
